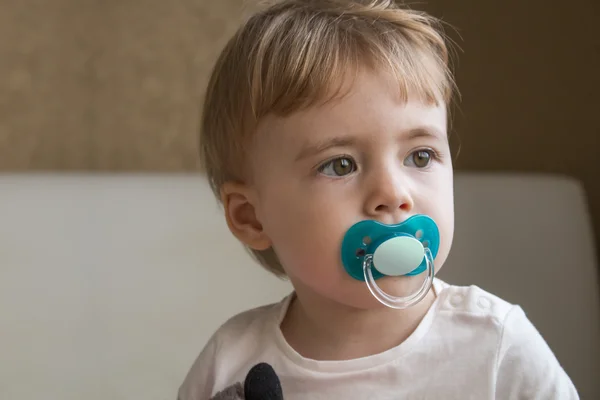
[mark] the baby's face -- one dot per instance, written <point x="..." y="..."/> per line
<point x="366" y="156"/>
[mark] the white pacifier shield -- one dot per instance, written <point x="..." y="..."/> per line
<point x="398" y="256"/>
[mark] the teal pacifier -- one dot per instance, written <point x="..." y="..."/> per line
<point x="372" y="250"/>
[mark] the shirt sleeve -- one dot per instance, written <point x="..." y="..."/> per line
<point x="199" y="382"/>
<point x="527" y="367"/>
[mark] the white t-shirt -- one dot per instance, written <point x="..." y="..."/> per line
<point x="470" y="345"/>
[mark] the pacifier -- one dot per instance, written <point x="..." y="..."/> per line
<point x="372" y="250"/>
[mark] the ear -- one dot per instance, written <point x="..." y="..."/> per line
<point x="240" y="212"/>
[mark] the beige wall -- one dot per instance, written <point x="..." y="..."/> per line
<point x="106" y="85"/>
<point x="116" y="85"/>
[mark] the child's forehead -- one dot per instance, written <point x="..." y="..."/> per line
<point x="359" y="118"/>
<point x="372" y="87"/>
<point x="369" y="93"/>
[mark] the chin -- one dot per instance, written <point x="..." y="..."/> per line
<point x="346" y="291"/>
<point x="362" y="300"/>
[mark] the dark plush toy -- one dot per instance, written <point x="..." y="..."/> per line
<point x="262" y="383"/>
<point x="234" y="392"/>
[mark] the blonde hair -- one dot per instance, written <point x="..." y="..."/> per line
<point x="295" y="54"/>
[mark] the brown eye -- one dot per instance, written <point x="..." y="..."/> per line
<point x="419" y="159"/>
<point x="338" y="167"/>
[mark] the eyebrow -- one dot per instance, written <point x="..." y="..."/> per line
<point x="311" y="149"/>
<point x="321" y="146"/>
<point x="425" y="132"/>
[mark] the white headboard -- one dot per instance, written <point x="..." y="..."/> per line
<point x="111" y="284"/>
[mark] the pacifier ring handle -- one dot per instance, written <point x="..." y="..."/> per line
<point x="395" y="301"/>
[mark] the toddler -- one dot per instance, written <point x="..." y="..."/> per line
<point x="324" y="135"/>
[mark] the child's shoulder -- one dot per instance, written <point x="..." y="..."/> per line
<point x="472" y="301"/>
<point x="248" y="326"/>
<point x="231" y="349"/>
<point x="523" y="361"/>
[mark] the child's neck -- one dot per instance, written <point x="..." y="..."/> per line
<point x="322" y="329"/>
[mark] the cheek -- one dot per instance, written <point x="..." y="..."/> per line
<point x="440" y="206"/>
<point x="446" y="237"/>
<point x="306" y="236"/>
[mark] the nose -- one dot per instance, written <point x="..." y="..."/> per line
<point x="389" y="198"/>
